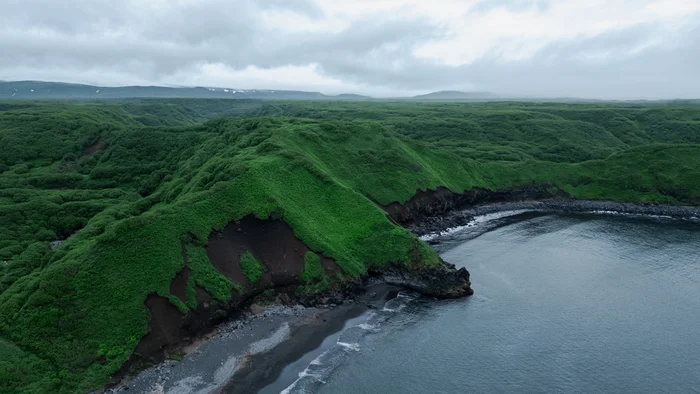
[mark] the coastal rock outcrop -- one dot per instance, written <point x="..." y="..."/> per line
<point x="439" y="281"/>
<point x="439" y="209"/>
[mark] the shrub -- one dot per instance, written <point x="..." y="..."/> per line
<point x="312" y="268"/>
<point x="252" y="269"/>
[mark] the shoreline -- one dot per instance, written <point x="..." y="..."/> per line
<point x="248" y="354"/>
<point x="264" y="369"/>
<point x="430" y="227"/>
<point x="251" y="352"/>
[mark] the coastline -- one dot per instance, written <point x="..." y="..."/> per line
<point x="429" y="227"/>
<point x="265" y="368"/>
<point x="245" y="355"/>
<point x="248" y="354"/>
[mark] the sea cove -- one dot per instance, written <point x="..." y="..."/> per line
<point x="563" y="303"/>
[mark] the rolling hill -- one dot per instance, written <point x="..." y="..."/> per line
<point x="37" y="90"/>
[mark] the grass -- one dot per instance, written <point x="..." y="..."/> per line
<point x="251" y="268"/>
<point x="312" y="268"/>
<point x="168" y="174"/>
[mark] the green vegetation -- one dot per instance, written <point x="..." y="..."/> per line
<point x="312" y="275"/>
<point x="251" y="268"/>
<point x="135" y="188"/>
<point x="207" y="277"/>
<point x="312" y="268"/>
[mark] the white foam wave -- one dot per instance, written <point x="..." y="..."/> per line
<point x="497" y="215"/>
<point x="289" y="389"/>
<point x="306" y="373"/>
<point x="324" y="364"/>
<point x="317" y="360"/>
<point x="631" y="214"/>
<point x="394" y="310"/>
<point x="350" y="346"/>
<point x="368" y="327"/>
<point x="477" y="220"/>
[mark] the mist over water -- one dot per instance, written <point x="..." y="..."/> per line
<point x="563" y="303"/>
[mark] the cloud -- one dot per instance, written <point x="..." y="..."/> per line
<point x="591" y="48"/>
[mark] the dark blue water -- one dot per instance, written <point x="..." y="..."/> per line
<point x="570" y="304"/>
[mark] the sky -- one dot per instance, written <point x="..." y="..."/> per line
<point x="609" y="49"/>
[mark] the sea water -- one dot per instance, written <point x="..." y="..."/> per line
<point x="563" y="303"/>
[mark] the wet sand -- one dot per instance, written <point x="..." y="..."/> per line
<point x="264" y="368"/>
<point x="248" y="354"/>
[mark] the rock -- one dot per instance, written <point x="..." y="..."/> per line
<point x="283" y="299"/>
<point x="257" y="309"/>
<point x="440" y="281"/>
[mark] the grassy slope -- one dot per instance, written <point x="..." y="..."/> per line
<point x="135" y="201"/>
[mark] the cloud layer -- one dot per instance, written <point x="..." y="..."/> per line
<point x="587" y="48"/>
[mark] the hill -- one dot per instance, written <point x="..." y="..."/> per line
<point x="35" y="90"/>
<point x="456" y="95"/>
<point x="130" y="225"/>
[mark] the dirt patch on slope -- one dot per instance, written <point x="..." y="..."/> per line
<point x="271" y="242"/>
<point x="96" y="146"/>
<point x="165" y="326"/>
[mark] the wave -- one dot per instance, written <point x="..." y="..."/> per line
<point x="477" y="220"/>
<point x="198" y="385"/>
<point x="322" y="367"/>
<point x="368" y="327"/>
<point x="350" y="346"/>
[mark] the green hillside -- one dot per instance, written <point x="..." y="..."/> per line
<point x="126" y="184"/>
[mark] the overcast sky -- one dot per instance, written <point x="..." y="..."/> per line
<point x="582" y="48"/>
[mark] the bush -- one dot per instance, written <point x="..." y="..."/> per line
<point x="252" y="269"/>
<point x="312" y="268"/>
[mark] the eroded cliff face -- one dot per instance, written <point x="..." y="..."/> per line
<point x="426" y="210"/>
<point x="273" y="244"/>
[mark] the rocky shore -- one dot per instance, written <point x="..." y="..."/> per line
<point x="246" y="354"/>
<point x="456" y="218"/>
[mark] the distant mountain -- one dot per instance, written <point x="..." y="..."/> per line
<point x="455" y="95"/>
<point x="27" y="90"/>
<point x="347" y="96"/>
